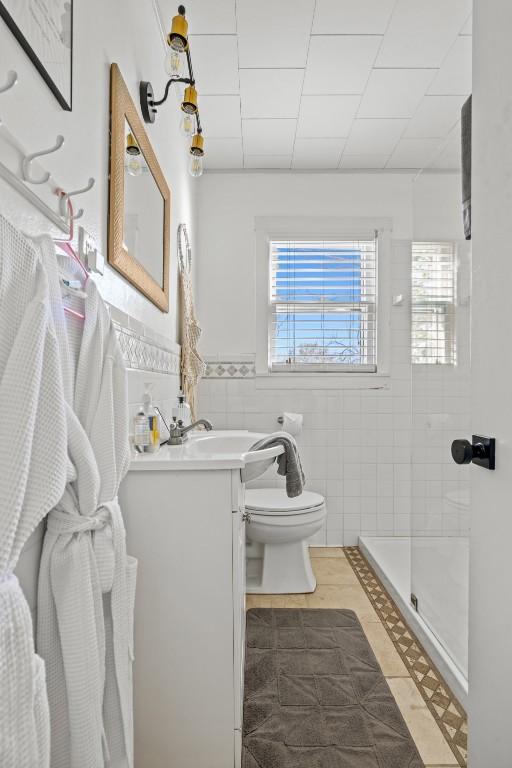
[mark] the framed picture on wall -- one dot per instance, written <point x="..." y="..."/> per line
<point x="44" y="29"/>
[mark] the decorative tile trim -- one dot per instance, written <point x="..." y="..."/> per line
<point x="229" y="370"/>
<point x="443" y="705"/>
<point x="145" y="354"/>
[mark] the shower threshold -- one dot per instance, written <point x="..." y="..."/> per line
<point x="390" y="557"/>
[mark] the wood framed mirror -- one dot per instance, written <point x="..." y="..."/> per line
<point x="139" y="201"/>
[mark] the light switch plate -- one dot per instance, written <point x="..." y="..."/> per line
<point x="88" y="252"/>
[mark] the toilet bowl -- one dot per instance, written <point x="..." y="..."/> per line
<point x="282" y="527"/>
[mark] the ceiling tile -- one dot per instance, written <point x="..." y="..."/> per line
<point x="346" y="17"/>
<point x="220" y="116"/>
<point x="317" y="153"/>
<point x="204" y="17"/>
<point x="267" y="161"/>
<point x="340" y="63"/>
<point x="268" y="137"/>
<point x="274" y="34"/>
<point x="394" y="92"/>
<point x="376" y="137"/>
<point x="223" y="153"/>
<point x="454" y="77"/>
<point x="326" y="116"/>
<point x="215" y="59"/>
<point x="413" y="153"/>
<point x="421" y="33"/>
<point x="363" y="161"/>
<point x="435" y="117"/>
<point x="270" y="92"/>
<point x="449" y="156"/>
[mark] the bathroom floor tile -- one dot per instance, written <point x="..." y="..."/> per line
<point x="289" y="601"/>
<point x="258" y="601"/>
<point x="387" y="656"/>
<point x="429" y="740"/>
<point x="327" y="552"/>
<point x="343" y="596"/>
<point x="333" y="570"/>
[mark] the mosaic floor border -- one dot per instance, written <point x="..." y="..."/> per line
<point x="444" y="706"/>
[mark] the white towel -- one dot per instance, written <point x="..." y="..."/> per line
<point x="33" y="447"/>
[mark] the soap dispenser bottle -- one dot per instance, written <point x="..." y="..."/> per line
<point x="182" y="410"/>
<point x="153" y="421"/>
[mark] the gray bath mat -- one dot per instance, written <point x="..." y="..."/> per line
<point x="315" y="696"/>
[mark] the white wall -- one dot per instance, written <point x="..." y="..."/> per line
<point x="356" y="442"/>
<point x="490" y="628"/>
<point x="127" y="33"/>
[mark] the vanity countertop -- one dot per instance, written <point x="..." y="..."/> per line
<point x="217" y="449"/>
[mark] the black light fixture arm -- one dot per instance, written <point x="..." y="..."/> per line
<point x="171" y="80"/>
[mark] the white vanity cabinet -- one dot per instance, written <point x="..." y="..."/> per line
<point x="186" y="528"/>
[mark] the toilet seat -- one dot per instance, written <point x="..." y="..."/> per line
<point x="274" y="502"/>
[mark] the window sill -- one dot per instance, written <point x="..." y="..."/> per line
<point x="322" y="380"/>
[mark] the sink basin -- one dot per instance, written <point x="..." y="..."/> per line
<point x="221" y="442"/>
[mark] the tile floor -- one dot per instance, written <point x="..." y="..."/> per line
<point x="338" y="587"/>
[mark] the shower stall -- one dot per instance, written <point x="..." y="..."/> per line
<point x="427" y="572"/>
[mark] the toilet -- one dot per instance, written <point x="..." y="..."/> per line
<point x="281" y="527"/>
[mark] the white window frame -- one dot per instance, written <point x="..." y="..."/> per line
<point x="268" y="229"/>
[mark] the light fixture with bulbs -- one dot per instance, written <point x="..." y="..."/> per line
<point x="179" y="50"/>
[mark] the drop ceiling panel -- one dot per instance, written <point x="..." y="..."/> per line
<point x="349" y="17"/>
<point x="421" y="32"/>
<point x="375" y="137"/>
<point x="274" y="34"/>
<point x="435" y="117"/>
<point x="271" y="92"/>
<point x="317" y="153"/>
<point x="354" y="162"/>
<point x="223" y="153"/>
<point x="204" y="16"/>
<point x="326" y="116"/>
<point x="329" y="83"/>
<point x="221" y="116"/>
<point x="267" y="161"/>
<point x="413" y="153"/>
<point x="340" y="63"/>
<point x="454" y="77"/>
<point x="268" y="137"/>
<point x="449" y="156"/>
<point x="395" y="92"/>
<point x="467" y="29"/>
<point x="215" y="60"/>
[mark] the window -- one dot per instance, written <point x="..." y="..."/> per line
<point x="433" y="303"/>
<point x="323" y="296"/>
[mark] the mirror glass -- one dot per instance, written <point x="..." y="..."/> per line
<point x="143" y="226"/>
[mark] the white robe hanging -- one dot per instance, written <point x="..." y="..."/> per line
<point x="86" y="581"/>
<point x="33" y="449"/>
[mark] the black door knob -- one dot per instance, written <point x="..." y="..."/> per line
<point x="462" y="451"/>
<point x="480" y="451"/>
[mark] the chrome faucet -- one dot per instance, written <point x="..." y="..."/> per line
<point x="178" y="433"/>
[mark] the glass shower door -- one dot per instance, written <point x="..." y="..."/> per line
<point x="440" y="413"/>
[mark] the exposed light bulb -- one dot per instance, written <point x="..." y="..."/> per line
<point x="134" y="166"/>
<point x="187" y="125"/>
<point x="195" y="167"/>
<point x="173" y="63"/>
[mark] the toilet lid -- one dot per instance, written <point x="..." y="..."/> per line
<point x="274" y="501"/>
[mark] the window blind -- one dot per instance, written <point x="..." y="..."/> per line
<point x="434" y="273"/>
<point x="323" y="296"/>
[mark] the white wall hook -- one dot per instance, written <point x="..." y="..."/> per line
<point x="25" y="166"/>
<point x="12" y="79"/>
<point x="64" y="210"/>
